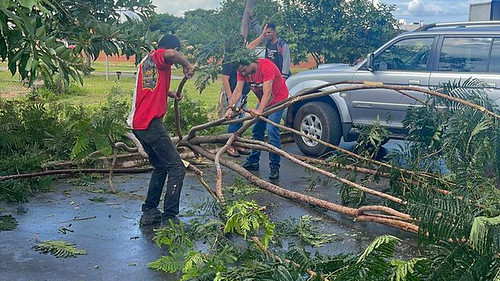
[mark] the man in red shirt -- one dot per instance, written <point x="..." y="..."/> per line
<point x="269" y="86"/>
<point x="148" y="108"/>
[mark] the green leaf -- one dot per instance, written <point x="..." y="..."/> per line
<point x="27" y="3"/>
<point x="60" y="249"/>
<point x="41" y="32"/>
<point x="28" y="64"/>
<point x="4" y="4"/>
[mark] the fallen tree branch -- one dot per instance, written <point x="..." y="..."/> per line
<point x="325" y="173"/>
<point x="348" y="211"/>
<point x="137" y="144"/>
<point x="177" y="110"/>
<point x="347" y="152"/>
<point x="113" y="166"/>
<point x="74" y="171"/>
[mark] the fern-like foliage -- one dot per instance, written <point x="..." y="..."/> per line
<point x="171" y="263"/>
<point x="440" y="217"/>
<point x="485" y="235"/>
<point x="8" y="222"/>
<point x="174" y="237"/>
<point x="241" y="187"/>
<point x="59" y="249"/>
<point x="371" y="139"/>
<point x="306" y="230"/>
<point x="377" y="263"/>
<point x="408" y="270"/>
<point x="209" y="266"/>
<point x="457" y="261"/>
<point x="245" y="218"/>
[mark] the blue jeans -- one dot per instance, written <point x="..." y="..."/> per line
<point x="166" y="161"/>
<point x="274" y="138"/>
<point x="231" y="128"/>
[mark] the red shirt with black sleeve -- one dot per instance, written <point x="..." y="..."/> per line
<point x="150" y="93"/>
<point x="266" y="71"/>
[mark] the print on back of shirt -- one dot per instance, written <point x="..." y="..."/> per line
<point x="258" y="89"/>
<point x="149" y="74"/>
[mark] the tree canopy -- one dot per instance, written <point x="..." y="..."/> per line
<point x="35" y="34"/>
<point x="337" y="30"/>
<point x="329" y="31"/>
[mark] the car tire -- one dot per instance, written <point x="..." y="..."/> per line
<point x="320" y="120"/>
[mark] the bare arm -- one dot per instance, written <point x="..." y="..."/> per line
<point x="235" y="97"/>
<point x="172" y="55"/>
<point x="252" y="45"/>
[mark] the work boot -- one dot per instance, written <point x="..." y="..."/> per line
<point x="150" y="216"/>
<point x="251" y="166"/>
<point x="274" y="173"/>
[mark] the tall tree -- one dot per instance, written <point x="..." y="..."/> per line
<point x="337" y="30"/>
<point x="34" y="34"/>
<point x="165" y="23"/>
<point x="245" y="20"/>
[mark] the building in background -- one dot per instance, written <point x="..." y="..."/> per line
<point x="485" y="10"/>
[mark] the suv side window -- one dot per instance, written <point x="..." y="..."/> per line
<point x="495" y="57"/>
<point x="465" y="54"/>
<point x="409" y="54"/>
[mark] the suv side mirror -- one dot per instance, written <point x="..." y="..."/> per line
<point x="369" y="62"/>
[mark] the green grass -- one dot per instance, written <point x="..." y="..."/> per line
<point x="10" y="85"/>
<point x="96" y="89"/>
<point x="100" y="66"/>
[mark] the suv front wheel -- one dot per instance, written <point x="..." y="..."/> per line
<point x="319" y="120"/>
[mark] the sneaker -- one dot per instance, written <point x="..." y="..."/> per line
<point x="151" y="216"/>
<point x="231" y="151"/>
<point x="274" y="173"/>
<point x="251" y="166"/>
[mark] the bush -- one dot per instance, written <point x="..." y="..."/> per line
<point x="193" y="113"/>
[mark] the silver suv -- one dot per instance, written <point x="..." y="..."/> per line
<point x="427" y="57"/>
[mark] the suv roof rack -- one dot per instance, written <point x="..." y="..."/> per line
<point x="458" y="24"/>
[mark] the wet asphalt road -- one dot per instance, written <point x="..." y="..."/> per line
<point x="118" y="249"/>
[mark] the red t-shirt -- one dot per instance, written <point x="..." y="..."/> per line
<point x="266" y="71"/>
<point x="150" y="93"/>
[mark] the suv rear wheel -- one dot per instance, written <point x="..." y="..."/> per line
<point x="319" y="120"/>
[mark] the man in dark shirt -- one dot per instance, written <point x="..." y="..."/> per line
<point x="229" y="80"/>
<point x="276" y="48"/>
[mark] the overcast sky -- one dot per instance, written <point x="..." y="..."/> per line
<point x="409" y="10"/>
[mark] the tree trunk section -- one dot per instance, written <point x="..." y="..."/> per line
<point x="245" y="21"/>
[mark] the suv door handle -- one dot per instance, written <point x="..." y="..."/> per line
<point x="413" y="82"/>
<point x="491" y="85"/>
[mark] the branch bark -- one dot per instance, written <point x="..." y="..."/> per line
<point x="245" y="20"/>
<point x="348" y="211"/>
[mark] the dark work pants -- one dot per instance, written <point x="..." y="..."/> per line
<point x="166" y="161"/>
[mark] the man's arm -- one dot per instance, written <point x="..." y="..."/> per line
<point x="252" y="45"/>
<point x="285" y="71"/>
<point x="267" y="88"/>
<point x="172" y="55"/>
<point x="235" y="97"/>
